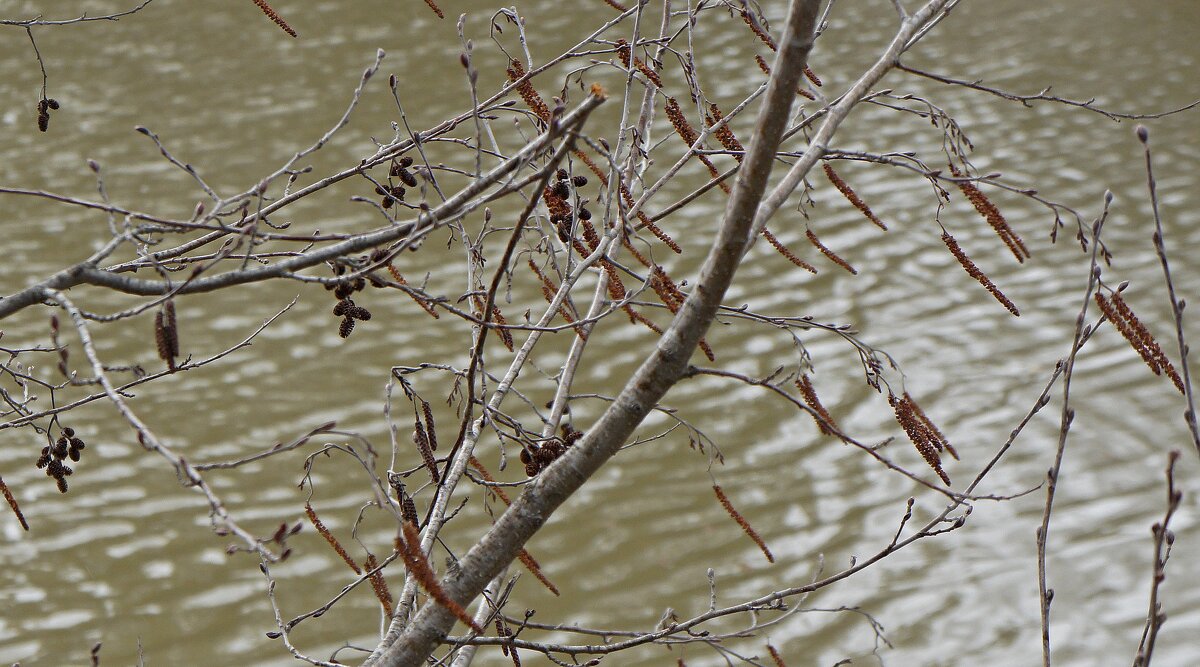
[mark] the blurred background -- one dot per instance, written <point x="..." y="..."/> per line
<point x="127" y="557"/>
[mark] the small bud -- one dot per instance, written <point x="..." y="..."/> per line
<point x="1143" y="134"/>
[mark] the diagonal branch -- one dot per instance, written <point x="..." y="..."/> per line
<point x="657" y="374"/>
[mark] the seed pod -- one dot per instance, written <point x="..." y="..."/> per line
<point x="340" y="308"/>
<point x="407" y="177"/>
<point x="346" y="327"/>
<point x="579" y="181"/>
<point x="406" y="162"/>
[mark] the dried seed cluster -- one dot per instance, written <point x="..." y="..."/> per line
<point x="539" y="457"/>
<point x="45" y="106"/>
<point x="52" y="457"/>
<point x="345" y="307"/>
<point x="558" y="200"/>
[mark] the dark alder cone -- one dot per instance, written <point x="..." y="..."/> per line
<point x="579" y="181"/>
<point x="406" y="162"/>
<point x="346" y="327"/>
<point x="407" y="177"/>
<point x="43" y="121"/>
<point x="340" y="308"/>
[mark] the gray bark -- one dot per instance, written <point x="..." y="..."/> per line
<point x="650" y="383"/>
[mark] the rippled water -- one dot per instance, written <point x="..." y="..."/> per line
<point x="128" y="557"/>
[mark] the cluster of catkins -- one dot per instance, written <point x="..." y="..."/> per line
<point x="346" y="308"/>
<point x="394" y="193"/>
<point x="68" y="445"/>
<point x="45" y="106"/>
<point x="538" y="457"/>
<point x="558" y="197"/>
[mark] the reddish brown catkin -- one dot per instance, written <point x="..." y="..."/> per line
<point x="787" y="252"/>
<point x="436" y="10"/>
<point x="161" y="341"/>
<point x="831" y="255"/>
<point x="992" y="215"/>
<point x="536" y="570"/>
<point x="725" y="135"/>
<point x="172" y="327"/>
<point x="624" y="51"/>
<point x="686" y="132"/>
<point x="379" y="584"/>
<point x="425" y="305"/>
<point x="337" y="546"/>
<point x="741" y="521"/>
<point x="975" y="272"/>
<point x="762" y="64"/>
<point x="852" y="196"/>
<point x="410" y="547"/>
<point x="920" y="436"/>
<point x="527" y="92"/>
<point x="12" y="502"/>
<point x="1138" y="336"/>
<point x="942" y="441"/>
<point x="822" y="417"/>
<point x="266" y="9"/>
<point x="1147" y="340"/>
<point x="673" y="298"/>
<point x="758" y="30"/>
<point x="775" y="656"/>
<point x="812" y="76"/>
<point x="615" y="5"/>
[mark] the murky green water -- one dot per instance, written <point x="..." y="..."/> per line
<point x="127" y="555"/>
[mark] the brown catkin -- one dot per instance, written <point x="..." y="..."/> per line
<point x="410" y="548"/>
<point x="12" y="502"/>
<point x="812" y="76"/>
<point x="852" y="196"/>
<point x="536" y="570"/>
<point x="172" y="327"/>
<point x="436" y="10"/>
<point x="266" y="9"/>
<point x="337" y="546"/>
<point x="919" y="434"/>
<point x="757" y="29"/>
<point x="822" y="417"/>
<point x="787" y="252"/>
<point x="1139" y="337"/>
<point x="160" y="339"/>
<point x="725" y="134"/>
<point x="615" y="5"/>
<point x="422" y="442"/>
<point x="775" y="656"/>
<point x="741" y="521"/>
<point x="379" y="584"/>
<point x="974" y="271"/>
<point x="430" y="433"/>
<point x="686" y="132"/>
<point x="624" y="51"/>
<point x="425" y="305"/>
<point x="762" y="64"/>
<point x="992" y="215"/>
<point x="940" y="440"/>
<point x="527" y="92"/>
<point x="833" y="257"/>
